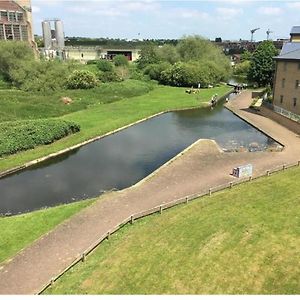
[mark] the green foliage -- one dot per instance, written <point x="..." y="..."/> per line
<point x="11" y="55"/>
<point x="194" y="60"/>
<point x="82" y="79"/>
<point x="262" y="66"/>
<point x="246" y="56"/>
<point x="44" y="76"/>
<point x="242" y="68"/>
<point x="120" y="61"/>
<point x="111" y="76"/>
<point x="105" y="65"/>
<point x="23" y="135"/>
<point x="148" y="56"/>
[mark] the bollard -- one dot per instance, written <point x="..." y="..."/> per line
<point x="231" y="184"/>
<point x="283" y="167"/>
<point x="250" y="178"/>
<point x="209" y="191"/>
<point x="160" y="209"/>
<point x="268" y="173"/>
<point x="83" y="257"/>
<point x="131" y="220"/>
<point x="108" y="235"/>
<point x="52" y="281"/>
<point x="186" y="200"/>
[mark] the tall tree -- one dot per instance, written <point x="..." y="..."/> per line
<point x="262" y="66"/>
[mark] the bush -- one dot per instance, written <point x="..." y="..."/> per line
<point x="82" y="79"/>
<point x="120" y="61"/>
<point x="109" y="77"/>
<point x="105" y="65"/>
<point x="41" y="76"/>
<point x="23" y="135"/>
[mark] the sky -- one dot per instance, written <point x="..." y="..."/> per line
<point x="142" y="19"/>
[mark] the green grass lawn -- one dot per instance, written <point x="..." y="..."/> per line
<point x="100" y="116"/>
<point x="18" y="232"/>
<point x="240" y="241"/>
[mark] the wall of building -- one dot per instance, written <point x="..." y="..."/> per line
<point x="287" y="85"/>
<point x="290" y="124"/>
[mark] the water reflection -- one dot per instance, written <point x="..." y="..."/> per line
<point x="123" y="159"/>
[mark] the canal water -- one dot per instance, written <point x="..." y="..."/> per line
<point x="120" y="160"/>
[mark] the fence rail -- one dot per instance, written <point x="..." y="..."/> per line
<point x="160" y="209"/>
<point x="286" y="113"/>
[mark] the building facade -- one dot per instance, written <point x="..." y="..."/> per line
<point x="16" y="20"/>
<point x="286" y="92"/>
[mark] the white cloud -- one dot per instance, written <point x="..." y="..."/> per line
<point x="270" y="11"/>
<point x="189" y="13"/>
<point x="228" y="13"/>
<point x="293" y="5"/>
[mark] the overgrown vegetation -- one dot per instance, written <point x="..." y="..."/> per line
<point x="81" y="79"/>
<point x="24" y="135"/>
<point x="239" y="241"/>
<point x="194" y="60"/>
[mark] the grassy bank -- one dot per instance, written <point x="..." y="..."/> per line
<point x="18" y="232"/>
<point x="101" y="117"/>
<point x="240" y="241"/>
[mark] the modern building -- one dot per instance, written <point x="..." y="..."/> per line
<point x="16" y="20"/>
<point x="286" y="92"/>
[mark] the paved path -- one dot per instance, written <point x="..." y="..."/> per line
<point x="199" y="168"/>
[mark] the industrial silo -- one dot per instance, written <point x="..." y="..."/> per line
<point x="59" y="34"/>
<point x="47" y="34"/>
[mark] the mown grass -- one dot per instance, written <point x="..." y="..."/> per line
<point x="19" y="231"/>
<point x="101" y="117"/>
<point x="240" y="241"/>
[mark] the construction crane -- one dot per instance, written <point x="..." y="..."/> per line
<point x="268" y="33"/>
<point x="252" y="33"/>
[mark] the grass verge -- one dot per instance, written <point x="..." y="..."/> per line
<point x="100" y="118"/>
<point x="240" y="241"/>
<point x="19" y="231"/>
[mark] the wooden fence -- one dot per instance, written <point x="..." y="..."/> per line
<point x="160" y="209"/>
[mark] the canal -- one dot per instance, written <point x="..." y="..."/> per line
<point x="120" y="160"/>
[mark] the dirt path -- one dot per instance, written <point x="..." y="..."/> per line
<point x="199" y="168"/>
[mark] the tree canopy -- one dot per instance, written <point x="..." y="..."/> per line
<point x="262" y="66"/>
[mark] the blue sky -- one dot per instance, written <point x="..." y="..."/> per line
<point x="169" y="19"/>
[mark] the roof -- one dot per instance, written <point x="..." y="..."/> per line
<point x="10" y="5"/>
<point x="289" y="47"/>
<point x="293" y="55"/>
<point x="295" y="30"/>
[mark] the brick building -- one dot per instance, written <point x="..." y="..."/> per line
<point x="16" y="20"/>
<point x="286" y="95"/>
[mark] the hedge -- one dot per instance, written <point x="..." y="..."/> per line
<point x="23" y="135"/>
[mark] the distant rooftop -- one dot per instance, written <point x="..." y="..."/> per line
<point x="291" y="55"/>
<point x="295" y="30"/>
<point x="289" y="47"/>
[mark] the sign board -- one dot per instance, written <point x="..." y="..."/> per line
<point x="243" y="171"/>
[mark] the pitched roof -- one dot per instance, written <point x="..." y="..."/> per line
<point x="10" y="5"/>
<point x="292" y="55"/>
<point x="295" y="30"/>
<point x="289" y="47"/>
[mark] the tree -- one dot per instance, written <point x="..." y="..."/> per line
<point x="11" y="55"/>
<point x="262" y="66"/>
<point x="120" y="60"/>
<point x="168" y="54"/>
<point x="82" y="79"/>
<point x="148" y="56"/>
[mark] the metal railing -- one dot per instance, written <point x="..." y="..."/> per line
<point x="286" y="113"/>
<point x="160" y="209"/>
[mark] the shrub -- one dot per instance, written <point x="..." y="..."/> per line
<point x="105" y="65"/>
<point x="23" y="135"/>
<point x="120" y="60"/>
<point x="109" y="76"/>
<point x="81" y="79"/>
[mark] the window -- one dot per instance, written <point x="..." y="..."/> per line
<point x="8" y="32"/>
<point x="281" y="99"/>
<point x="12" y="17"/>
<point x="17" y="32"/>
<point x="283" y="83"/>
<point x="24" y="33"/>
<point x="3" y="15"/>
<point x="297" y="84"/>
<point x="19" y="17"/>
<point x="295" y="101"/>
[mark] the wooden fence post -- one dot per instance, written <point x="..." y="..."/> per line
<point x="283" y="167"/>
<point x="83" y="257"/>
<point x="250" y="178"/>
<point x="209" y="191"/>
<point x="268" y="173"/>
<point x="186" y="200"/>
<point x="231" y="184"/>
<point x="131" y="220"/>
<point x="160" y="209"/>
